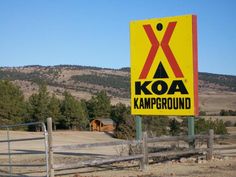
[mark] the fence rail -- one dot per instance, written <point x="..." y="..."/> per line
<point x="169" y="154"/>
<point x="23" y="139"/>
<point x="96" y="162"/>
<point x="22" y="125"/>
<point x="22" y="165"/>
<point x="80" y="146"/>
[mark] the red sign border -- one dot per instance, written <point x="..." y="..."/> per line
<point x="195" y="63"/>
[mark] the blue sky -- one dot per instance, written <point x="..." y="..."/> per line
<point x="96" y="32"/>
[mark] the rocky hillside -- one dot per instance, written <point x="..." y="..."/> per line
<point x="216" y="91"/>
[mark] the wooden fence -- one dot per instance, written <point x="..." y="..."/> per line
<point x="142" y="157"/>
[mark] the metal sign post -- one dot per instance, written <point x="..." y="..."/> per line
<point x="138" y="126"/>
<point x="191" y="131"/>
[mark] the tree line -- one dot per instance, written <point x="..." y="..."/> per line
<point x="120" y="83"/>
<point x="67" y="113"/>
<point x="227" y="81"/>
<point x="227" y="112"/>
<point x="73" y="114"/>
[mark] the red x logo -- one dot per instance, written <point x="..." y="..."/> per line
<point x="165" y="47"/>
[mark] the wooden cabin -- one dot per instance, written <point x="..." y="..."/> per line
<point x="102" y="125"/>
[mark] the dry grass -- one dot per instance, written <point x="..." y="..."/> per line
<point x="214" y="168"/>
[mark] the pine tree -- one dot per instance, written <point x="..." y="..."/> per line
<point x="74" y="116"/>
<point x="12" y="105"/>
<point x="119" y="113"/>
<point x="38" y="105"/>
<point x="99" y="105"/>
<point x="54" y="110"/>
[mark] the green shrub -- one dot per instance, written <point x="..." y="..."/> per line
<point x="156" y="125"/>
<point x="174" y="127"/>
<point x="202" y="126"/>
<point x="125" y="130"/>
<point x="229" y="123"/>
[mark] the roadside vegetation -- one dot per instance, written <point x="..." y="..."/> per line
<point x="73" y="114"/>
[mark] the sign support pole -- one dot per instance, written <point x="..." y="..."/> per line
<point x="138" y="126"/>
<point x="191" y="131"/>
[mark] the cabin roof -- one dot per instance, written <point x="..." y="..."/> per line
<point x="105" y="121"/>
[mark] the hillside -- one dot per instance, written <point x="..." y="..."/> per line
<point x="216" y="91"/>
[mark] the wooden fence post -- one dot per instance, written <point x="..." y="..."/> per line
<point x="50" y="147"/>
<point x="144" y="160"/>
<point x="210" y="143"/>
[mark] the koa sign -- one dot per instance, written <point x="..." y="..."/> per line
<point x="164" y="74"/>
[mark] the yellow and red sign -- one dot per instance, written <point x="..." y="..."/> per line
<point x="164" y="73"/>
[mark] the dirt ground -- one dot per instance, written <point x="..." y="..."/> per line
<point x="222" y="165"/>
<point x="214" y="168"/>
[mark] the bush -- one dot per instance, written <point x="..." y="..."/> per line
<point x="202" y="113"/>
<point x="125" y="125"/>
<point x="155" y="125"/>
<point x="125" y="130"/>
<point x="229" y="123"/>
<point x="174" y="127"/>
<point x="202" y="126"/>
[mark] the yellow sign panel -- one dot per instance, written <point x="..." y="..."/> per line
<point x="164" y="74"/>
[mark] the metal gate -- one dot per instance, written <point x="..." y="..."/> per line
<point x="7" y="165"/>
